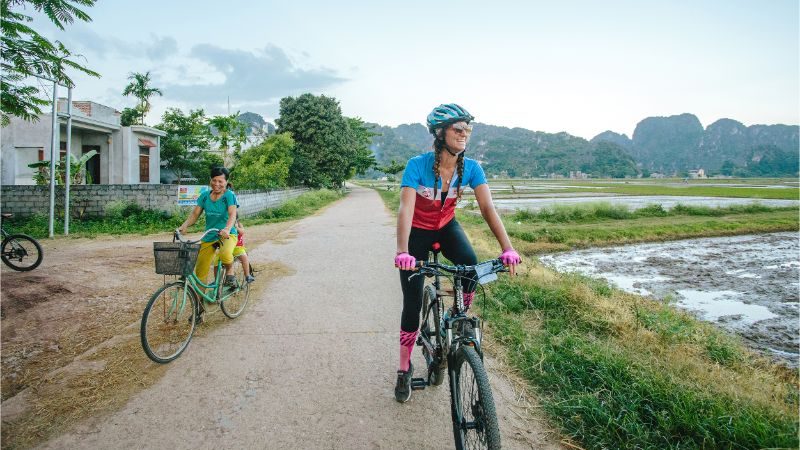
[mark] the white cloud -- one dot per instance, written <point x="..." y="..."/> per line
<point x="85" y="40"/>
<point x="255" y="78"/>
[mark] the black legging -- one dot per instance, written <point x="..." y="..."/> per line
<point x="454" y="246"/>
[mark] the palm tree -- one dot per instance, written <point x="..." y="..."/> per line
<point x="140" y="88"/>
<point x="229" y="133"/>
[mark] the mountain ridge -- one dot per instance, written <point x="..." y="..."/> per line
<point x="671" y="145"/>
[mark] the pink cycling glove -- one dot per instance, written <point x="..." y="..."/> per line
<point x="510" y="257"/>
<point x="405" y="261"/>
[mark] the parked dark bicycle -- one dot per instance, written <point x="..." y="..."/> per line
<point x="20" y="251"/>
<point x="453" y="341"/>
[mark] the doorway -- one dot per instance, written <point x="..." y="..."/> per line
<point x="93" y="165"/>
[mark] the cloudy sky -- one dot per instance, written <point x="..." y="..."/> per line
<point x="577" y="66"/>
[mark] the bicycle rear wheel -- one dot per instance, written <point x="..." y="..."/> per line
<point x="21" y="252"/>
<point x="233" y="306"/>
<point x="168" y="322"/>
<point x="472" y="405"/>
<point x="431" y="326"/>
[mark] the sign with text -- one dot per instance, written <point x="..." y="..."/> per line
<point x="188" y="194"/>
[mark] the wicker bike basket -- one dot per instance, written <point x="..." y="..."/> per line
<point x="175" y="258"/>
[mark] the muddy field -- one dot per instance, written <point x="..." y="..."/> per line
<point x="746" y="284"/>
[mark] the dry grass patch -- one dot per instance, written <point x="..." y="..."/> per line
<point x="78" y="356"/>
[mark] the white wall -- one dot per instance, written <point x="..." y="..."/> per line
<point x="26" y="135"/>
<point x="23" y="175"/>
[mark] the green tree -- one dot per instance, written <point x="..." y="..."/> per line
<point x="140" y="88"/>
<point x="129" y="116"/>
<point x="361" y="135"/>
<point x="187" y="139"/>
<point x="727" y="168"/>
<point x="325" y="152"/>
<point x="266" y="165"/>
<point x="610" y="160"/>
<point x="230" y="133"/>
<point x="392" y="168"/>
<point x="202" y="171"/>
<point x="27" y="53"/>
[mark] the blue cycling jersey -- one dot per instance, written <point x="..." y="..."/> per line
<point x="430" y="213"/>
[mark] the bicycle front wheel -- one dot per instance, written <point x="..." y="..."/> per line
<point x="233" y="306"/>
<point x="472" y="405"/>
<point x="21" y="252"/>
<point x="168" y="322"/>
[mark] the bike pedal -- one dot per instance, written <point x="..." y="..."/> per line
<point x="418" y="384"/>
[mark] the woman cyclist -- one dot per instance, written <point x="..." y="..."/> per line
<point x="219" y="205"/>
<point x="432" y="185"/>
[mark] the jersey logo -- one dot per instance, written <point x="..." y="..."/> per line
<point x="425" y="192"/>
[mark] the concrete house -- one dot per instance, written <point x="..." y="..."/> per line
<point x="126" y="155"/>
<point x="697" y="173"/>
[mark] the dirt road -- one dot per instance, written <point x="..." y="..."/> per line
<point x="310" y="364"/>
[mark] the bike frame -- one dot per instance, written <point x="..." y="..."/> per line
<point x="191" y="281"/>
<point x="452" y="341"/>
<point x="199" y="287"/>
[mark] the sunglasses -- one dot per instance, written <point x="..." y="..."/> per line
<point x="460" y="128"/>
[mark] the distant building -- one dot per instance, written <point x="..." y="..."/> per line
<point x="126" y="155"/>
<point x="657" y="175"/>
<point x="578" y="175"/>
<point x="698" y="173"/>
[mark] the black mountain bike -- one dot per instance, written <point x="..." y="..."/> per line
<point x="20" y="251"/>
<point x="453" y="342"/>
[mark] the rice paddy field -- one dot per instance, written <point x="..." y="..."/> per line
<point x="628" y="316"/>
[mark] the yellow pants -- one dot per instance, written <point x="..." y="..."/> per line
<point x="237" y="251"/>
<point x="206" y="254"/>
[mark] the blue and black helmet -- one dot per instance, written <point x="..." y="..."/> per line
<point x="444" y="115"/>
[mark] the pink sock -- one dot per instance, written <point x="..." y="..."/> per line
<point x="407" y="340"/>
<point x="468" y="296"/>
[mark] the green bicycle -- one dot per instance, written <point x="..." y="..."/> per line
<point x="170" y="317"/>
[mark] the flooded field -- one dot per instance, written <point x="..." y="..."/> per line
<point x="746" y="284"/>
<point x="633" y="202"/>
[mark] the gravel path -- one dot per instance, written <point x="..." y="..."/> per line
<point x="311" y="364"/>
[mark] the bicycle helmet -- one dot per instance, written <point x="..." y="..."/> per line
<point x="446" y="114"/>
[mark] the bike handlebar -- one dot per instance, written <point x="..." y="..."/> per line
<point x="180" y="238"/>
<point x="428" y="267"/>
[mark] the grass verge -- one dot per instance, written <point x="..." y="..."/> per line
<point x="302" y="206"/>
<point x="618" y="371"/>
<point x="615" y="370"/>
<point x="130" y="218"/>
<point x="699" y="190"/>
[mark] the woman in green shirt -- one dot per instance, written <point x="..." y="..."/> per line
<point x="219" y="205"/>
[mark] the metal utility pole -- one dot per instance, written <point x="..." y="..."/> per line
<point x="68" y="161"/>
<point x="54" y="149"/>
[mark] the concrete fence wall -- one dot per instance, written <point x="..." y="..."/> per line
<point x="92" y="200"/>
<point x="253" y="202"/>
